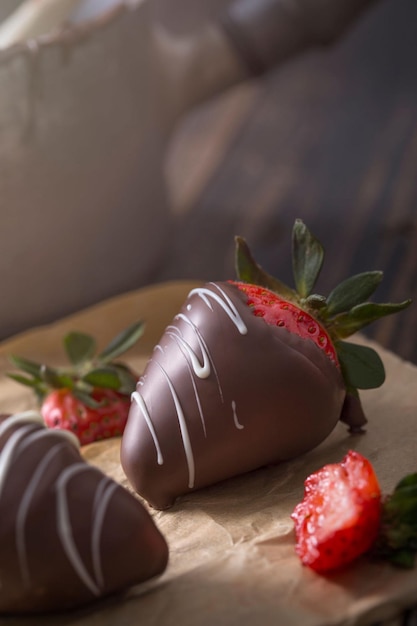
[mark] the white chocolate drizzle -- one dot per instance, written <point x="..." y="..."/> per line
<point x="28" y="421"/>
<point x="238" y="425"/>
<point x="202" y="370"/>
<point x="225" y="302"/>
<point x="25" y="436"/>
<point x="24" y="509"/>
<point x="7" y="454"/>
<point x="64" y="528"/>
<point x="35" y="418"/>
<point x="184" y="431"/>
<point x="99" y="512"/>
<point x="18" y="418"/>
<point x="199" y="363"/>
<point x="203" y="346"/>
<point x="142" y="405"/>
<point x="197" y="397"/>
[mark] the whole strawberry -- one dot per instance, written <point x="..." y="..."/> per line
<point x="91" y="397"/>
<point x="250" y="373"/>
<point x="344" y="516"/>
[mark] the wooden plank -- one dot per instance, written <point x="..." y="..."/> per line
<point x="200" y="143"/>
<point x="331" y="138"/>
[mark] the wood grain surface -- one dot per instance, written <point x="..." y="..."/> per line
<point x="330" y="137"/>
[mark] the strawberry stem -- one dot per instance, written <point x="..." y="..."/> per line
<point x="397" y="541"/>
<point x="344" y="312"/>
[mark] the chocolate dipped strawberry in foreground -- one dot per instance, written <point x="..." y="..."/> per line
<point x="68" y="534"/>
<point x="250" y="373"/>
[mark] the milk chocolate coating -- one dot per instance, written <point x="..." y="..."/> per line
<point x="222" y="394"/>
<point x="68" y="533"/>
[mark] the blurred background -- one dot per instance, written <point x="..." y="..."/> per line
<point x="331" y="137"/>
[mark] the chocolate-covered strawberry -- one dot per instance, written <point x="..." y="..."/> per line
<point x="68" y="534"/>
<point x="91" y="396"/>
<point x="250" y="373"/>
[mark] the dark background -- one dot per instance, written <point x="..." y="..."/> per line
<point x="330" y="137"/>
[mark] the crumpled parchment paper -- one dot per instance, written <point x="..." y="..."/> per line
<point x="232" y="559"/>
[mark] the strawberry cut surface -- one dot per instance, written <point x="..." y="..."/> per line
<point x="277" y="311"/>
<point x="339" y="517"/>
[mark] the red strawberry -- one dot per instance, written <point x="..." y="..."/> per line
<point x="339" y="517"/>
<point x="91" y="398"/>
<point x="344" y="516"/>
<point x="279" y="312"/>
<point x="325" y="320"/>
<point x="62" y="409"/>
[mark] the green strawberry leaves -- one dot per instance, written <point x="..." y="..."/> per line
<point x="103" y="377"/>
<point x="248" y="271"/>
<point x="88" y="369"/>
<point x="307" y="258"/>
<point x="345" y="311"/>
<point x="358" y="317"/>
<point x="352" y="291"/>
<point x="122" y="342"/>
<point x="86" y="399"/>
<point x="398" y="537"/>
<point x="40" y="378"/>
<point x="113" y="376"/>
<point x="79" y="347"/>
<point x="27" y="366"/>
<point x="361" y="366"/>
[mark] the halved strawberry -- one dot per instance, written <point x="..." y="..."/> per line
<point x="344" y="516"/>
<point x="339" y="518"/>
<point x="91" y="397"/>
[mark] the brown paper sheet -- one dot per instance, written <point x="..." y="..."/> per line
<point x="232" y="558"/>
